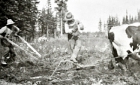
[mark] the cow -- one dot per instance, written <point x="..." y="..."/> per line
<point x="125" y="41"/>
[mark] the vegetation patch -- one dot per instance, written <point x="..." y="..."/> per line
<point x="96" y="51"/>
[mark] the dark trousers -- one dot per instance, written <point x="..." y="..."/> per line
<point x="8" y="49"/>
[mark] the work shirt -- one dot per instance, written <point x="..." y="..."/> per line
<point x="5" y="31"/>
<point x="74" y="27"/>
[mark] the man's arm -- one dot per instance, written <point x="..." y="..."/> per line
<point x="8" y="32"/>
<point x="17" y="30"/>
<point x="67" y="30"/>
<point x="80" y="25"/>
<point x="2" y="30"/>
<point x="77" y="33"/>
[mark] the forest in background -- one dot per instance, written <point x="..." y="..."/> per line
<point x="36" y="23"/>
<point x="114" y="21"/>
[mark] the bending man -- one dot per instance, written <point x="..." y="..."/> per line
<point x="5" y="32"/>
<point x="73" y="28"/>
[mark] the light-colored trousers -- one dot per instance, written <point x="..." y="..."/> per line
<point x="75" y="46"/>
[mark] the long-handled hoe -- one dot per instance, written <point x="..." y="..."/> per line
<point x="22" y="48"/>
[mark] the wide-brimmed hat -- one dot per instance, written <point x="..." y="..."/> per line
<point x="10" y="21"/>
<point x="68" y="16"/>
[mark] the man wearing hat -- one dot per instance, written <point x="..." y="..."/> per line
<point x="5" y="32"/>
<point x="73" y="28"/>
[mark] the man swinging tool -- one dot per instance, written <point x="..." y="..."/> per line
<point x="5" y="33"/>
<point x="73" y="28"/>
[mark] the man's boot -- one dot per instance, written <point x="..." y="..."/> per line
<point x="74" y="60"/>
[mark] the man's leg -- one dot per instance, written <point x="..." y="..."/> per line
<point x="11" y="54"/>
<point x="6" y="54"/>
<point x="71" y="45"/>
<point x="76" y="50"/>
<point x="71" y="42"/>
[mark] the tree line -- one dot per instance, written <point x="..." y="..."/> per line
<point x="127" y="19"/>
<point x="49" y="25"/>
<point x="22" y="12"/>
<point x="114" y="21"/>
<point x="27" y="17"/>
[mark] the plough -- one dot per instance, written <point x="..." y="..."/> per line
<point x="79" y="67"/>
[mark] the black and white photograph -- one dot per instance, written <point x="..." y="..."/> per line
<point x="69" y="42"/>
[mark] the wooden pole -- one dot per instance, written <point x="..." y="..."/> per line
<point x="14" y="44"/>
<point x="47" y="31"/>
<point x="61" y="21"/>
<point x="29" y="46"/>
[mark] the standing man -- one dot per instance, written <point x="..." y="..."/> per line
<point x="73" y="29"/>
<point x="5" y="32"/>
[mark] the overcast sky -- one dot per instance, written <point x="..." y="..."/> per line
<point x="89" y="12"/>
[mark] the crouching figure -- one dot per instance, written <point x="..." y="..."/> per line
<point x="73" y="28"/>
<point x="8" y="49"/>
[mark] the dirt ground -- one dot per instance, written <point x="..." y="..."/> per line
<point x="48" y="70"/>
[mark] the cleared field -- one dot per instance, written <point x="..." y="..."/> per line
<point x="95" y="51"/>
